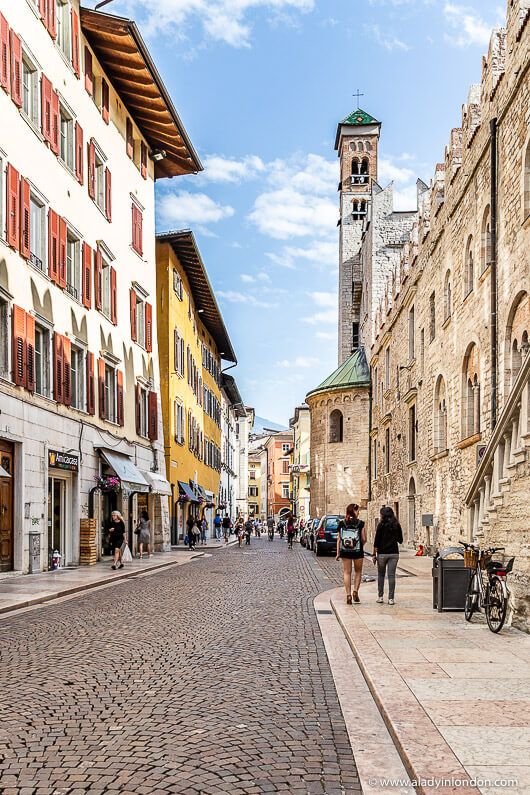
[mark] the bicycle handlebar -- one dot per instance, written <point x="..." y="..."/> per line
<point x="477" y="549"/>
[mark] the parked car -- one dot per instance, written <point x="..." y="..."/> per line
<point x="326" y="534"/>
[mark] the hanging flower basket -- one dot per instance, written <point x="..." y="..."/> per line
<point x="108" y="484"/>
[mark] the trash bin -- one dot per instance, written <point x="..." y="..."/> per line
<point x="449" y="580"/>
<point x="34" y="553"/>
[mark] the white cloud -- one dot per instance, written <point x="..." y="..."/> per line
<point x="471" y="28"/>
<point x="388" y="172"/>
<point x="387" y="40"/>
<point x="226" y="169"/>
<point x="299" y="361"/>
<point x="328" y="317"/>
<point x="235" y="297"/>
<point x="324" y="299"/>
<point x="184" y="208"/>
<point x="322" y="253"/>
<point x="406" y="198"/>
<point x="260" y="277"/>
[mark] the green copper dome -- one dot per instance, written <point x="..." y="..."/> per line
<point x="353" y="373"/>
<point x="359" y="117"/>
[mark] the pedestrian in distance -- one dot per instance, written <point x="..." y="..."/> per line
<point x="217" y="523"/>
<point x="203" y="527"/>
<point x="240" y="531"/>
<point x="143" y="531"/>
<point x="117" y="538"/>
<point x="312" y="538"/>
<point x="351" y="539"/>
<point x="248" y="531"/>
<point x="388" y="536"/>
<point x="190" y="526"/>
<point x="291" y="530"/>
<point x="227" y="524"/>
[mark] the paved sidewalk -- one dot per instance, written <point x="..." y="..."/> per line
<point x="455" y="697"/>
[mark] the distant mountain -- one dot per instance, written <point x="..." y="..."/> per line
<point x="261" y="425"/>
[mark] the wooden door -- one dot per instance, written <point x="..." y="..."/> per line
<point x="6" y="507"/>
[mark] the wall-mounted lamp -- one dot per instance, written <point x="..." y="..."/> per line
<point x="200" y="311"/>
<point x="157" y="154"/>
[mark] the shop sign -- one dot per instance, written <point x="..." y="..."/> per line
<point x="63" y="461"/>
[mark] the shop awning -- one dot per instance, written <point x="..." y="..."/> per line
<point x="185" y="491"/>
<point x="158" y="483"/>
<point x="129" y="474"/>
<point x="3" y="473"/>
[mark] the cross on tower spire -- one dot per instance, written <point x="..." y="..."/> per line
<point x="358" y="94"/>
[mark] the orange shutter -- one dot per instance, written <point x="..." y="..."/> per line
<point x="108" y="194"/>
<point x="42" y="9"/>
<point x="120" y="414"/>
<point x="75" y="42"/>
<point x="143" y="160"/>
<point x="113" y="297"/>
<point x="58" y="370"/>
<point x="51" y="22"/>
<point x="89" y="75"/>
<point x="67" y="372"/>
<point x="46" y="108"/>
<point x="79" y="153"/>
<point x="24" y="218"/>
<point x="101" y="388"/>
<point x="153" y="416"/>
<point x="13" y="206"/>
<point x="87" y="276"/>
<point x="62" y="253"/>
<point x="19" y="346"/>
<point x="134" y="225"/>
<point x="92" y="170"/>
<point x="98" y="279"/>
<point x="132" y="301"/>
<point x="55" y="123"/>
<point x="90" y="387"/>
<point x="4" y="54"/>
<point x="30" y="352"/>
<point x="105" y="101"/>
<point x="129" y="139"/>
<point x="148" y="327"/>
<point x="140" y="233"/>
<point x="53" y="246"/>
<point x="16" y="69"/>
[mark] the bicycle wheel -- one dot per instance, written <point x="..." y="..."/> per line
<point x="471" y="598"/>
<point x="496" y="604"/>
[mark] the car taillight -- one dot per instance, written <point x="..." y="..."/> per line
<point x="321" y="533"/>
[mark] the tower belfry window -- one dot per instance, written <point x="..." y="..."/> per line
<point x="359" y="209"/>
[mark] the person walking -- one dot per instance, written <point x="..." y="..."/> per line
<point x="203" y="527"/>
<point x="217" y="522"/>
<point x="227" y="524"/>
<point x="248" y="531"/>
<point x="190" y="526"/>
<point x="144" y="535"/>
<point x="240" y="530"/>
<point x="351" y="539"/>
<point x="388" y="535"/>
<point x="290" y="530"/>
<point x="117" y="538"/>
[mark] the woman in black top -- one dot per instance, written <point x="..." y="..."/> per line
<point x="117" y="537"/>
<point x="351" y="539"/>
<point x="386" y="552"/>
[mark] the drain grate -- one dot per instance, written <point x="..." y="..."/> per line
<point x="325" y="612"/>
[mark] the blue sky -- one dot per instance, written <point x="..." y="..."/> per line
<point x="260" y="86"/>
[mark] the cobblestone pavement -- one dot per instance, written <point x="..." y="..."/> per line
<point x="205" y="678"/>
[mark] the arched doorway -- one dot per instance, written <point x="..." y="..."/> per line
<point x="412" y="512"/>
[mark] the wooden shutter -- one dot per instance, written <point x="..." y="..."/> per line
<point x="13" y="206"/>
<point x="42" y="10"/>
<point x="16" y="69"/>
<point x="87" y="275"/>
<point x="75" y="42"/>
<point x="132" y="303"/>
<point x="143" y="160"/>
<point x="54" y="141"/>
<point x="79" y="152"/>
<point x="67" y="372"/>
<point x="134" y="211"/>
<point x="148" y="327"/>
<point x="92" y="170"/>
<point x="120" y="414"/>
<point x="19" y="346"/>
<point x="89" y="74"/>
<point x="46" y="92"/>
<point x="152" y="422"/>
<point x="53" y="246"/>
<point x="62" y="253"/>
<point x="108" y="194"/>
<point x="129" y="139"/>
<point x="113" y="297"/>
<point x="4" y="54"/>
<point x="105" y="101"/>
<point x="51" y="21"/>
<point x="58" y="369"/>
<point x="140" y="232"/>
<point x="138" y="408"/>
<point x="90" y="386"/>
<point x="101" y="388"/>
<point x="98" y="279"/>
<point x="30" y="352"/>
<point x="24" y="218"/>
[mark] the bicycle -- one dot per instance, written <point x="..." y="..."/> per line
<point x="492" y="594"/>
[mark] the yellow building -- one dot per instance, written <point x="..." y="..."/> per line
<point x="192" y="341"/>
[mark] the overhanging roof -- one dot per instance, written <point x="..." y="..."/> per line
<point x="121" y="51"/>
<point x="185" y="247"/>
<point x="230" y="387"/>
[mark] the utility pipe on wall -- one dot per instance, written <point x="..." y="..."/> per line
<point x="493" y="272"/>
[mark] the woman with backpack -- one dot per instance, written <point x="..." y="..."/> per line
<point x="388" y="535"/>
<point x="351" y="539"/>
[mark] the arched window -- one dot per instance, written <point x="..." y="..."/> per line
<point x="355" y="166"/>
<point x="440" y="416"/>
<point x="517" y="360"/>
<point x="336" y="426"/>
<point x="365" y="169"/>
<point x="485" y="240"/>
<point x="469" y="266"/>
<point x="448" y="296"/>
<point x="471" y="393"/>
<point x="526" y="183"/>
<point x="516" y="340"/>
<point x="359" y="210"/>
<point x="360" y="146"/>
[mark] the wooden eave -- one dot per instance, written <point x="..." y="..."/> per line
<point x="120" y="49"/>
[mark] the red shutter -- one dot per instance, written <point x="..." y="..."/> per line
<point x="98" y="279"/>
<point x="134" y="210"/>
<point x="51" y="22"/>
<point x="132" y="303"/>
<point x="16" y="69"/>
<point x="87" y="276"/>
<point x="79" y="153"/>
<point x="120" y="414"/>
<point x="30" y="352"/>
<point x="113" y="297"/>
<point x="129" y="139"/>
<point x="19" y="346"/>
<point x="90" y="390"/>
<point x="89" y="74"/>
<point x="13" y="207"/>
<point x="143" y="160"/>
<point x="55" y="123"/>
<point x="92" y="170"/>
<point x="140" y="233"/>
<point x="46" y="108"/>
<point x="58" y="369"/>
<point x="105" y="101"/>
<point x="108" y="194"/>
<point x="42" y="10"/>
<point x="101" y="388"/>
<point x="24" y="218"/>
<point x="67" y="371"/>
<point x="153" y="416"/>
<point x="4" y="54"/>
<point x="75" y="43"/>
<point x="138" y="409"/>
<point x="148" y="327"/>
<point x="53" y="246"/>
<point x="62" y="253"/>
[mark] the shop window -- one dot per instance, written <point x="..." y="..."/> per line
<point x="78" y="378"/>
<point x="37" y="233"/>
<point x="336" y="426"/>
<point x="30" y="89"/>
<point x="4" y="338"/>
<point x="73" y="265"/>
<point x="64" y="38"/>
<point x="42" y="361"/>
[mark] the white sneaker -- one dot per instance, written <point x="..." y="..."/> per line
<point x="390" y="601"/>
<point x="379" y="600"/>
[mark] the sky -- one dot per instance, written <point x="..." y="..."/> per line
<point x="260" y="86"/>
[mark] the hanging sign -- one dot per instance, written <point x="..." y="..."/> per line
<point x="59" y="460"/>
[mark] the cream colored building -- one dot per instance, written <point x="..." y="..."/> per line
<point x="254" y="485"/>
<point x="301" y="462"/>
<point x="80" y="149"/>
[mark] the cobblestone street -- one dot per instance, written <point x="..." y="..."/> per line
<point x="205" y="678"/>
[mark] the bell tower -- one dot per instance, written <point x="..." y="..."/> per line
<point x="356" y="144"/>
